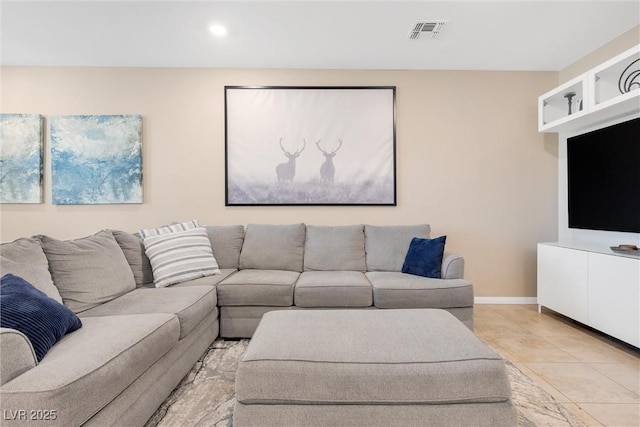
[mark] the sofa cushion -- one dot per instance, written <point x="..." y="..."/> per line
<point x="207" y="280"/>
<point x="258" y="287"/>
<point x="25" y="258"/>
<point x="26" y="309"/>
<point x="88" y="271"/>
<point x="87" y="369"/>
<point x="133" y="249"/>
<point x="386" y="246"/>
<point x="191" y="304"/>
<point x="333" y="289"/>
<point x="226" y="242"/>
<point x="424" y="257"/>
<point x="401" y="290"/>
<point x="171" y="228"/>
<point x="180" y="256"/>
<point x="335" y="248"/>
<point x="273" y="247"/>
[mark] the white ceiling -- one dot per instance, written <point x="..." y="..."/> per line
<point x="481" y="35"/>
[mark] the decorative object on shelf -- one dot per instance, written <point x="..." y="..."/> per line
<point x="628" y="247"/>
<point x="625" y="249"/>
<point x="310" y="145"/>
<point x="630" y="77"/>
<point x="96" y="159"/>
<point x="21" y="158"/>
<point x="569" y="97"/>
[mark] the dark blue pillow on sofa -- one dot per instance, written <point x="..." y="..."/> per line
<point x="42" y="319"/>
<point x="424" y="257"/>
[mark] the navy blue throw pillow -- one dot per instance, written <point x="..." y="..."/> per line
<point x="424" y="257"/>
<point x="42" y="319"/>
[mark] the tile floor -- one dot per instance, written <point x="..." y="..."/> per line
<point x="594" y="376"/>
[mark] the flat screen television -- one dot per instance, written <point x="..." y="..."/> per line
<point x="603" y="170"/>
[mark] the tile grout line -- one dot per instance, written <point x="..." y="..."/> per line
<point x="590" y="341"/>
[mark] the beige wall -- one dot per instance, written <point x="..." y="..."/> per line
<point x="618" y="45"/>
<point x="469" y="158"/>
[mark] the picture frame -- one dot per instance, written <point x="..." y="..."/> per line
<point x="21" y="158"/>
<point x="96" y="159"/>
<point x="310" y="145"/>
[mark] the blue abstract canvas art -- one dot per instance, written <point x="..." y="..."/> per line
<point x="96" y="159"/>
<point x="20" y="158"/>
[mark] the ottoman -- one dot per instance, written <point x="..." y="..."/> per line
<point x="413" y="367"/>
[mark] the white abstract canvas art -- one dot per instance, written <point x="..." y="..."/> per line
<point x="20" y="158"/>
<point x="96" y="159"/>
<point x="310" y="145"/>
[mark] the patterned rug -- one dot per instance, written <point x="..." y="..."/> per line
<point x="206" y="396"/>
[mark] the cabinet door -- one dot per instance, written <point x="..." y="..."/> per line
<point x="614" y="296"/>
<point x="562" y="281"/>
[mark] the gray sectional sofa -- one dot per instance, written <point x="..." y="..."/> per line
<point x="134" y="346"/>
<point x="285" y="267"/>
<point x="138" y="341"/>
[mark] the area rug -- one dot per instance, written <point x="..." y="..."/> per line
<point x="205" y="397"/>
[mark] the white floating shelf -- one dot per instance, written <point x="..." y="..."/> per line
<point x="595" y="96"/>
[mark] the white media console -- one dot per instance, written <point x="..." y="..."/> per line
<point x="597" y="288"/>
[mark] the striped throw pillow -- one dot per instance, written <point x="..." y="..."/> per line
<point x="172" y="228"/>
<point x="180" y="256"/>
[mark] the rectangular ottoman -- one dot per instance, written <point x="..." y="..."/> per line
<point x="414" y="367"/>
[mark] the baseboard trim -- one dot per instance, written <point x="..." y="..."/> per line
<point x="505" y="300"/>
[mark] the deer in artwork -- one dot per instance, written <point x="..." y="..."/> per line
<point x="328" y="170"/>
<point x="286" y="171"/>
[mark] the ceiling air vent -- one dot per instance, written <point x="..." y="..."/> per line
<point x="426" y="29"/>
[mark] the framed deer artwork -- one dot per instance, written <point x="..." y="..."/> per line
<point x="310" y="145"/>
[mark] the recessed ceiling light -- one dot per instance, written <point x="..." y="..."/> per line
<point x="218" y="30"/>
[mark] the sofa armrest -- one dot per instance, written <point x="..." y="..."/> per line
<point x="16" y="354"/>
<point x="452" y="266"/>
